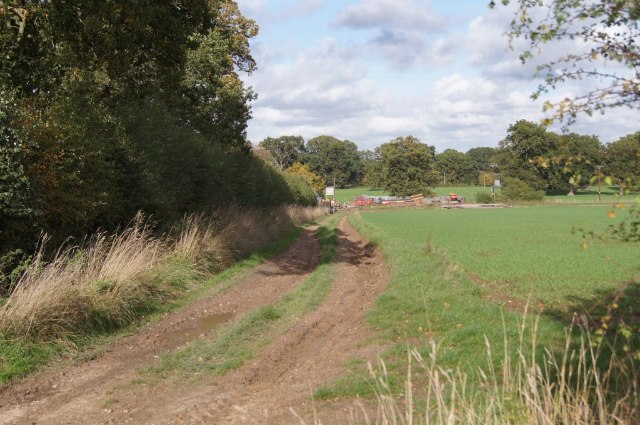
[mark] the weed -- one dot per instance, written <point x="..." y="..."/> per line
<point x="540" y="389"/>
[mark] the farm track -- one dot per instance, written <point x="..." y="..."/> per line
<point x="264" y="390"/>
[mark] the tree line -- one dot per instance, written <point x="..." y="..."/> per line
<point x="531" y="160"/>
<point x="113" y="107"/>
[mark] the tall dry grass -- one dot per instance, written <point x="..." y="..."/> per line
<point x="535" y="389"/>
<point x="102" y="283"/>
<point x="111" y="280"/>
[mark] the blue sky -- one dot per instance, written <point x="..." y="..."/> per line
<point x="372" y="70"/>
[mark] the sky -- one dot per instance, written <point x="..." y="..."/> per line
<point x="372" y="70"/>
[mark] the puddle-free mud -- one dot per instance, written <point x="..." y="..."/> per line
<point x="202" y="326"/>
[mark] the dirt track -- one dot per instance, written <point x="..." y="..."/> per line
<point x="263" y="391"/>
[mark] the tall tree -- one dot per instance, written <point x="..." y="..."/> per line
<point x="576" y="160"/>
<point x="455" y="167"/>
<point x="285" y="150"/>
<point x="372" y="168"/>
<point x="607" y="52"/>
<point x="106" y="107"/>
<point x="482" y="157"/>
<point x="523" y="153"/>
<point x="406" y="163"/>
<point x="332" y="158"/>
<point x="623" y="160"/>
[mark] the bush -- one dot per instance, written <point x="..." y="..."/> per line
<point x="484" y="197"/>
<point x="516" y="189"/>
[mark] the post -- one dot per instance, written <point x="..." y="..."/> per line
<point x="493" y="166"/>
<point x="334" y="190"/>
<point x="599" y="167"/>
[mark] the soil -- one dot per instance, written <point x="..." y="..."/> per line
<point x="275" y="387"/>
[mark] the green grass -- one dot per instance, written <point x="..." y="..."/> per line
<point x="348" y="195"/>
<point x="609" y="194"/>
<point x="239" y="342"/>
<point x="18" y="357"/>
<point x="521" y="252"/>
<point x="525" y="252"/>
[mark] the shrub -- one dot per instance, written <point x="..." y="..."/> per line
<point x="516" y="189"/>
<point x="484" y="197"/>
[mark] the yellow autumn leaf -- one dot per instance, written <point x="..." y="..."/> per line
<point x="611" y="214"/>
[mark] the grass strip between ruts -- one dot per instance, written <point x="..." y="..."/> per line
<point x="240" y="341"/>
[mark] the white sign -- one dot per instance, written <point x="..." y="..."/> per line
<point x="329" y="191"/>
<point x="496" y="183"/>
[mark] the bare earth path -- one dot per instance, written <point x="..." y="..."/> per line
<point x="311" y="353"/>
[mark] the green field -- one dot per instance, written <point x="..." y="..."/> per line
<point x="527" y="252"/>
<point x="608" y="194"/>
<point x="460" y="275"/>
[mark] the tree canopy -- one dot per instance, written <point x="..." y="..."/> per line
<point x="545" y="160"/>
<point x="111" y="107"/>
<point x="604" y="50"/>
<point x="406" y="165"/>
<point x="285" y="150"/>
<point x="623" y="160"/>
<point x="455" y="167"/>
<point x="332" y="158"/>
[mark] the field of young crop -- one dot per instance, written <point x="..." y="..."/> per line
<point x="462" y="275"/>
<point x="608" y="194"/>
<point x="525" y="252"/>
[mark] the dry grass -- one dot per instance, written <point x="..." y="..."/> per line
<point x="535" y="389"/>
<point x="111" y="280"/>
<point x="101" y="284"/>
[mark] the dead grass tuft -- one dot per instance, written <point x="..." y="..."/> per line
<point x="101" y="284"/>
<point x="110" y="280"/>
<point x="535" y="389"/>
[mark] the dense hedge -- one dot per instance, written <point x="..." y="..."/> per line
<point x="144" y="164"/>
<point x="109" y="108"/>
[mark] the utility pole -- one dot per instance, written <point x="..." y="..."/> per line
<point x="599" y="167"/>
<point x="493" y="166"/>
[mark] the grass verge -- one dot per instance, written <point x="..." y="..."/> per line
<point x="532" y="388"/>
<point x="239" y="342"/>
<point x="86" y="295"/>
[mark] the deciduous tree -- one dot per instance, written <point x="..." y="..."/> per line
<point x="623" y="160"/>
<point x="285" y="150"/>
<point x="604" y="50"/>
<point x="455" y="167"/>
<point x="314" y="180"/>
<point x="406" y="163"/>
<point x="332" y="158"/>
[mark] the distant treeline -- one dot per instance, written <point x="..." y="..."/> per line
<point x="110" y="108"/>
<point x="530" y="158"/>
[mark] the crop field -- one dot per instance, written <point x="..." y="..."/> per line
<point x="462" y="275"/>
<point x="590" y="195"/>
<point x="526" y="252"/>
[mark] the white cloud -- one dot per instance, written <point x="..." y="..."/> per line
<point x="391" y="14"/>
<point x="400" y="31"/>
<point x="333" y="86"/>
